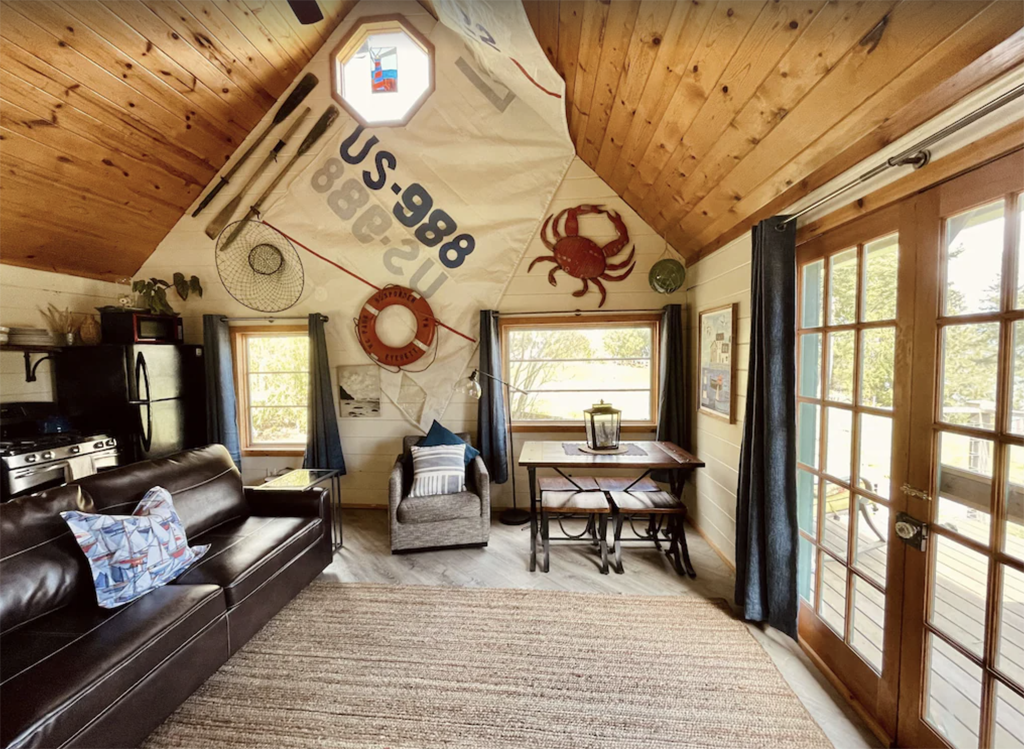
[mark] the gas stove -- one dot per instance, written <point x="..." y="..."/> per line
<point x="50" y="447"/>
<point x="32" y="460"/>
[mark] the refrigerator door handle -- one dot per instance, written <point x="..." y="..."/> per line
<point x="141" y="368"/>
<point x="145" y="426"/>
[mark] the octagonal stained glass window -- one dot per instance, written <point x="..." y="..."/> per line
<point x="382" y="71"/>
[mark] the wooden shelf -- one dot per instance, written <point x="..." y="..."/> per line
<point x="29" y="349"/>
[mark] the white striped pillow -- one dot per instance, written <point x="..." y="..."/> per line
<point x="438" y="470"/>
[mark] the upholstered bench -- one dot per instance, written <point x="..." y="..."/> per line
<point x="559" y="497"/>
<point x="656" y="506"/>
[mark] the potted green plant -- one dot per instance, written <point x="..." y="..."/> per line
<point x="153" y="291"/>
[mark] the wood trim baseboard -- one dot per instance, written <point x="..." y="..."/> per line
<point x="731" y="565"/>
<point x="862" y="712"/>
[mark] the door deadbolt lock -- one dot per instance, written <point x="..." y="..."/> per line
<point x="911" y="531"/>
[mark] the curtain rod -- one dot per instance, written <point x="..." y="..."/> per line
<point x="917" y="155"/>
<point x="578" y="312"/>
<point x="269" y="318"/>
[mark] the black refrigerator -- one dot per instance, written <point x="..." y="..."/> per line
<point x="151" y="397"/>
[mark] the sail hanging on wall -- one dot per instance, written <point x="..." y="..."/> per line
<point x="447" y="203"/>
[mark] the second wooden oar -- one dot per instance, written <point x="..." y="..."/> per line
<point x="315" y="133"/>
<point x="300" y="92"/>
<point x="216" y="226"/>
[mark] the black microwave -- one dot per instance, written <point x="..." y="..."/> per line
<point x="141" y="327"/>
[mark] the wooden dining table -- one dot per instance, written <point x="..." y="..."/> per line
<point x="554" y="454"/>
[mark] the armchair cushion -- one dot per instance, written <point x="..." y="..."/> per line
<point x="439" y="507"/>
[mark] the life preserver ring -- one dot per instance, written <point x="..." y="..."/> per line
<point x="366" y="326"/>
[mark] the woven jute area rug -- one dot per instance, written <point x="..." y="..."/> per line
<point x="422" y="667"/>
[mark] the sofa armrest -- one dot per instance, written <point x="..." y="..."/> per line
<point x="479" y="482"/>
<point x="307" y="503"/>
<point x="395" y="485"/>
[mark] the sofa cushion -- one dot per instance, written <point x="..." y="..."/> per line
<point x="131" y="555"/>
<point x="41" y="566"/>
<point x="205" y="485"/>
<point x="438" y="470"/>
<point x="437" y="507"/>
<point x="245" y="553"/>
<point x="63" y="670"/>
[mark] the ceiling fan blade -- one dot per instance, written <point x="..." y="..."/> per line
<point x="307" y="11"/>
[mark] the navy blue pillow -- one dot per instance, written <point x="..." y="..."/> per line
<point x="438" y="435"/>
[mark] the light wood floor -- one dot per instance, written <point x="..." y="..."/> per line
<point x="366" y="557"/>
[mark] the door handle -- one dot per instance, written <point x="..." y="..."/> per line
<point x="911" y="531"/>
<point x="915" y="493"/>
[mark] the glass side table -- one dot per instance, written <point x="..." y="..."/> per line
<point x="306" y="478"/>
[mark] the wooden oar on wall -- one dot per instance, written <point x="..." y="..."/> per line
<point x="300" y="92"/>
<point x="216" y="226"/>
<point x="315" y="133"/>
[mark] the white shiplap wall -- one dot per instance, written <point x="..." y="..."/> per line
<point x="720" y="279"/>
<point x="371" y="444"/>
<point x="23" y="293"/>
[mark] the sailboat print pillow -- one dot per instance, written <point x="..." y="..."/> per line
<point x="131" y="555"/>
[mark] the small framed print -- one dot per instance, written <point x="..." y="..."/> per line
<point x="716" y="348"/>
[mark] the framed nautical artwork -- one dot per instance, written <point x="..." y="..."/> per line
<point x="716" y="348"/>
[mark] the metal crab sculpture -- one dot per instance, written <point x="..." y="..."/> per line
<point x="581" y="257"/>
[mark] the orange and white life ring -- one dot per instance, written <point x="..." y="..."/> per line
<point x="366" y="326"/>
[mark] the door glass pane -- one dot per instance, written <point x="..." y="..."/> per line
<point x="842" y="290"/>
<point x="1009" y="728"/>
<point x="1015" y="422"/>
<point x="1013" y="542"/>
<point x="810" y="365"/>
<point x="974" y="259"/>
<point x="807" y="501"/>
<point x="1010" y="658"/>
<point x="839" y="426"/>
<point x="805" y="569"/>
<point x="969" y="365"/>
<point x="832" y="603"/>
<point x="881" y="262"/>
<point x="953" y="694"/>
<point x="878" y="351"/>
<point x="808" y="435"/>
<point x="1020" y="247"/>
<point x="871" y="540"/>
<point x="965" y="485"/>
<point x="835" y="533"/>
<point x="957" y="596"/>
<point x="840" y="366"/>
<point x="875" y="467"/>
<point x="813" y="292"/>
<point x="868" y="623"/>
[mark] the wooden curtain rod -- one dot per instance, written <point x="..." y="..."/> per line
<point x="578" y="312"/>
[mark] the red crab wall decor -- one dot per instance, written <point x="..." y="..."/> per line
<point x="581" y="257"/>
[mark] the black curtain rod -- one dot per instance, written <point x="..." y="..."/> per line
<point x="269" y="318"/>
<point x="578" y="312"/>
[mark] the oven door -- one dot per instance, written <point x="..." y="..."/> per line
<point x="32" y="479"/>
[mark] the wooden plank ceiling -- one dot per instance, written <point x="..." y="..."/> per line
<point x="706" y="117"/>
<point x="703" y="116"/>
<point x="115" y="115"/>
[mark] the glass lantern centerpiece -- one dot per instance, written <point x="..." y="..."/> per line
<point x="602" y="422"/>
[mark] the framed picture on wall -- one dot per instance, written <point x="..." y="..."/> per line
<point x="717" y="336"/>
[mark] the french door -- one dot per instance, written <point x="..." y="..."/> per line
<point x="911" y="460"/>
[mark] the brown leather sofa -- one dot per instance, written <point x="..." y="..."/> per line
<point x="73" y="674"/>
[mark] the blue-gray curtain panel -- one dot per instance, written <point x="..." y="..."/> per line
<point x="766" y="514"/>
<point x="221" y="416"/>
<point x="491" y="434"/>
<point x="673" y="415"/>
<point x="323" y="445"/>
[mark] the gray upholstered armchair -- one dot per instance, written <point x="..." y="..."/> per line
<point x="421" y="523"/>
